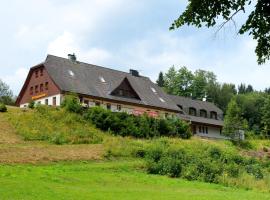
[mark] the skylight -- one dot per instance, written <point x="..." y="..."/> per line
<point x="102" y="79"/>
<point x="153" y="89"/>
<point x="71" y="73"/>
<point x="162" y="100"/>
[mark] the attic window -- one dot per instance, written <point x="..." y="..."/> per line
<point x="71" y="73"/>
<point x="153" y="90"/>
<point x="102" y="79"/>
<point x="162" y="100"/>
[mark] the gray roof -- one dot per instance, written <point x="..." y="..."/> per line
<point x="187" y="103"/>
<point x="86" y="80"/>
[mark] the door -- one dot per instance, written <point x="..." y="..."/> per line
<point x="54" y="101"/>
<point x="194" y="129"/>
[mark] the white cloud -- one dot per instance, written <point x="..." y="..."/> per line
<point x="67" y="43"/>
<point x="16" y="80"/>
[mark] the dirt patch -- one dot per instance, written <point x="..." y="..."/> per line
<point x="49" y="153"/>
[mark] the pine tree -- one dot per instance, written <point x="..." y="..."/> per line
<point x="160" y="80"/>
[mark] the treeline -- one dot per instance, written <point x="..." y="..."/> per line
<point x="244" y="108"/>
<point x="6" y="95"/>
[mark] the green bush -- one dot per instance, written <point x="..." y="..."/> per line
<point x="31" y="104"/>
<point x="71" y="103"/>
<point x="3" y="107"/>
<point x="143" y="126"/>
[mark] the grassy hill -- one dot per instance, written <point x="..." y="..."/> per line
<point x="95" y="165"/>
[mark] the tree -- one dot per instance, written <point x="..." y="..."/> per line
<point x="242" y="88"/>
<point x="179" y="82"/>
<point x="224" y="96"/>
<point x="202" y="82"/>
<point x="160" y="80"/>
<point x="208" y="12"/>
<point x="251" y="105"/>
<point x="6" y="95"/>
<point x="266" y="118"/>
<point x="234" y="121"/>
<point x="249" y="89"/>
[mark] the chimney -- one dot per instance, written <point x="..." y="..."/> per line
<point x="134" y="72"/>
<point x="72" y="57"/>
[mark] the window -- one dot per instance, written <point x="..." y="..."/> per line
<point x="203" y="113"/>
<point x="119" y="107"/>
<point x="41" y="87"/>
<point x="36" y="89"/>
<point x="206" y="130"/>
<point x="36" y="73"/>
<point x="121" y="92"/>
<point x="31" y="90"/>
<point x="162" y="100"/>
<point x="46" y="86"/>
<point x="200" y="129"/>
<point x="86" y="102"/>
<point x="97" y="103"/>
<point x="203" y="129"/>
<point x="213" y="115"/>
<point x="192" y="111"/>
<point x="153" y="90"/>
<point x="166" y="115"/>
<point x="108" y="106"/>
<point x="71" y="73"/>
<point x="41" y="72"/>
<point x="46" y="102"/>
<point x="54" y="101"/>
<point x="102" y="79"/>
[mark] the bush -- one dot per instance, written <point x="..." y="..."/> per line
<point x="143" y="126"/>
<point x="31" y="104"/>
<point x="71" y="103"/>
<point x="3" y="107"/>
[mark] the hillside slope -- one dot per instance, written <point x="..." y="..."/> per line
<point x="14" y="149"/>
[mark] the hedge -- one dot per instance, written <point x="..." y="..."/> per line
<point x="121" y="123"/>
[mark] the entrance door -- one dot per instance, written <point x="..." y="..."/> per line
<point x="54" y="101"/>
<point x="194" y="129"/>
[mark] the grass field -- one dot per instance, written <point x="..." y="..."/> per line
<point x="40" y="169"/>
<point x="106" y="180"/>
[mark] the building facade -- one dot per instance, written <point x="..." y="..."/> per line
<point x="48" y="82"/>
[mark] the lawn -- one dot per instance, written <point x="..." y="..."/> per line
<point x="106" y="180"/>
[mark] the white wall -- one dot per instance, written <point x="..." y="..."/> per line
<point x="213" y="132"/>
<point x="50" y="101"/>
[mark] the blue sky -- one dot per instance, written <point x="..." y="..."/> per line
<point x="121" y="34"/>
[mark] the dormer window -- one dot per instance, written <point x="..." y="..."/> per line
<point x="203" y="113"/>
<point x="102" y="79"/>
<point x="192" y="111"/>
<point x="162" y="100"/>
<point x="213" y="115"/>
<point x="153" y="90"/>
<point x="71" y="73"/>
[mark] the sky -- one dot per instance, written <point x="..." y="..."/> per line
<point x="123" y="35"/>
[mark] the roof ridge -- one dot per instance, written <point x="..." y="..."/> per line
<point x="140" y="76"/>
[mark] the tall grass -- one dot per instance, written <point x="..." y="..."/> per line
<point x="54" y="125"/>
<point x="203" y="160"/>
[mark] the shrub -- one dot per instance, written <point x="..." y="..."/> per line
<point x="71" y="103"/>
<point x="3" y="107"/>
<point x="137" y="126"/>
<point x="255" y="170"/>
<point x="31" y="104"/>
